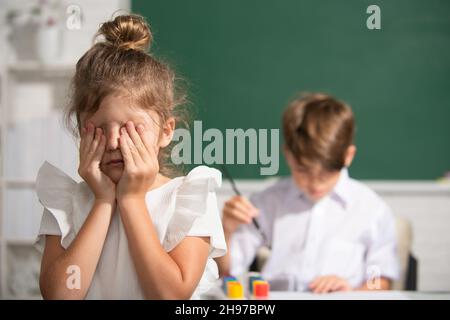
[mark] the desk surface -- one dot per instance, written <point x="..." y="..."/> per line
<point x="217" y="293"/>
<point x="361" y="295"/>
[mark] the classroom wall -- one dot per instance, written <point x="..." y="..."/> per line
<point x="244" y="60"/>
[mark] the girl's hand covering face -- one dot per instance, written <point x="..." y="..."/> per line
<point x="92" y="147"/>
<point x="139" y="152"/>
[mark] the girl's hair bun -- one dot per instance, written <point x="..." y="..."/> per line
<point x="129" y="32"/>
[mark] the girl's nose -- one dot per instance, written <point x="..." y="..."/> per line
<point x="112" y="138"/>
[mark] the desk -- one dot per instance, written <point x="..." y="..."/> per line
<point x="218" y="294"/>
<point x="361" y="295"/>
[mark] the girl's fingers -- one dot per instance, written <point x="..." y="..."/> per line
<point x="147" y="139"/>
<point x="88" y="137"/>
<point x="125" y="149"/>
<point x="82" y="143"/>
<point x="133" y="149"/>
<point x="137" y="141"/>
<point x="82" y="138"/>
<point x="98" y="154"/>
<point x="95" y="142"/>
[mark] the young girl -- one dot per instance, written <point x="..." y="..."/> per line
<point x="127" y="231"/>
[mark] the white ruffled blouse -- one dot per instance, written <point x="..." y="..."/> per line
<point x="184" y="206"/>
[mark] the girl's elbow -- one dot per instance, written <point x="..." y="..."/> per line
<point x="179" y="293"/>
<point x="183" y="295"/>
<point x="47" y="292"/>
<point x="50" y="291"/>
<point x="185" y="292"/>
<point x="167" y="296"/>
<point x="61" y="295"/>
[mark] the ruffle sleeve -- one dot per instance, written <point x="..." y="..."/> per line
<point x="55" y="190"/>
<point x="196" y="211"/>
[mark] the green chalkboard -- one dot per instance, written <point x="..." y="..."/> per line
<point x="244" y="60"/>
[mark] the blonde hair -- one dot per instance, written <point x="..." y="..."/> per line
<point x="118" y="63"/>
<point x="318" y="129"/>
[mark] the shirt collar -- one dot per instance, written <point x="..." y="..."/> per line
<point x="340" y="192"/>
<point x="294" y="190"/>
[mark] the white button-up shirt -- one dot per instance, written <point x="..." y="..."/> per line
<point x="349" y="233"/>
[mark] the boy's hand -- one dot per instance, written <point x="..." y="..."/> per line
<point x="140" y="162"/>
<point x="92" y="147"/>
<point x="236" y="211"/>
<point x="325" y="284"/>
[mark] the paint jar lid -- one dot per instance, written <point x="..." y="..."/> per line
<point x="225" y="281"/>
<point x="261" y="289"/>
<point x="235" y="290"/>
<point x="252" y="279"/>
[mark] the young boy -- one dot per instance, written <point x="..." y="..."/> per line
<point x="328" y="232"/>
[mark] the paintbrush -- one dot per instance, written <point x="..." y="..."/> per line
<point x="236" y="191"/>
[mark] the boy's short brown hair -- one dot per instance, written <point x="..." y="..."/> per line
<point x="318" y="129"/>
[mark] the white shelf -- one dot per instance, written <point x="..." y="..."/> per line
<point x="54" y="70"/>
<point x="34" y="297"/>
<point x="20" y="242"/>
<point x="20" y="183"/>
<point x="24" y="246"/>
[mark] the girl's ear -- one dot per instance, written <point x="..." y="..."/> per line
<point x="168" y="131"/>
